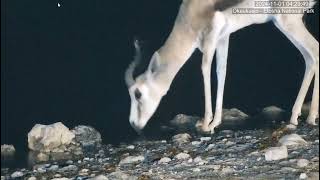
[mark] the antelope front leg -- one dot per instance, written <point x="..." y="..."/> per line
<point x="206" y="72"/>
<point x="222" y="57"/>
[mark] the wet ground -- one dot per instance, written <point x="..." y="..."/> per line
<point x="227" y="154"/>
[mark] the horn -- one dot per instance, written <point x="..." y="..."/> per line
<point x="137" y="58"/>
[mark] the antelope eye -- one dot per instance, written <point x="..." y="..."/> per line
<point x="137" y="94"/>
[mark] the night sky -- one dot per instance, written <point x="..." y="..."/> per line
<point x="67" y="64"/>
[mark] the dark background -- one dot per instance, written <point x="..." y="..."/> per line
<point x="67" y="64"/>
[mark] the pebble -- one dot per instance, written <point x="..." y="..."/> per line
<point x="302" y="163"/>
<point x="130" y="147"/>
<point x="276" y="153"/>
<point x="164" y="160"/>
<point x="181" y="138"/>
<point x="131" y="159"/>
<point x="181" y="156"/>
<point x="292" y="139"/>
<point x="303" y="176"/>
<point x="53" y="168"/>
<point x="205" y="138"/>
<point x="210" y="147"/>
<point x="17" y="174"/>
<point x="68" y="168"/>
<point x="32" y="178"/>
<point x="196" y="143"/>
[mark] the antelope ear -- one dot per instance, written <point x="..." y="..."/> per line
<point x="154" y="64"/>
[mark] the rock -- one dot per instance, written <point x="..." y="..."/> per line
<point x="210" y="147"/>
<point x="32" y="178"/>
<point x="131" y="159"/>
<point x="276" y="153"/>
<point x="303" y="176"/>
<point x="199" y="161"/>
<point x="292" y="139"/>
<point x="195" y="143"/>
<point x="302" y="163"/>
<point x="7" y="150"/>
<point x="49" y="138"/>
<point x="100" y="177"/>
<point x="119" y="175"/>
<point x="182" y="156"/>
<point x="63" y="178"/>
<point x="233" y="116"/>
<point x="68" y="168"/>
<point x="164" y="160"/>
<point x="184" y="123"/>
<point x="227" y="170"/>
<point x="272" y="113"/>
<point x="87" y="136"/>
<point x="130" y="147"/>
<point x="42" y="157"/>
<point x="17" y="174"/>
<point x="53" y="168"/>
<point x="181" y="138"/>
<point x="203" y="139"/>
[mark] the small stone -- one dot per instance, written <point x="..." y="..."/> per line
<point x="210" y="146"/>
<point x="53" y="168"/>
<point x="196" y="169"/>
<point x="276" y="153"/>
<point x="230" y="143"/>
<point x="292" y="139"/>
<point x="69" y="168"/>
<point x="205" y="139"/>
<point x="17" y="174"/>
<point x="32" y="178"/>
<point x="7" y="150"/>
<point x="164" y="160"/>
<point x="181" y="156"/>
<point x="216" y="167"/>
<point x="196" y="143"/>
<point x="131" y="159"/>
<point x="199" y="161"/>
<point x="130" y="147"/>
<point x="181" y="138"/>
<point x="100" y="177"/>
<point x="42" y="157"/>
<point x="227" y="170"/>
<point x="190" y="160"/>
<point x="303" y="176"/>
<point x="302" y="163"/>
<point x="69" y="162"/>
<point x="291" y="127"/>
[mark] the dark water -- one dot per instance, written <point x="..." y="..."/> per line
<point x="67" y="64"/>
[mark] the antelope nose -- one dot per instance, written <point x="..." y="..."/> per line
<point x="135" y="127"/>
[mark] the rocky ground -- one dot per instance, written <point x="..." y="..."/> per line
<point x="227" y="154"/>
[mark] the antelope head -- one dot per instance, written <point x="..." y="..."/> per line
<point x="145" y="92"/>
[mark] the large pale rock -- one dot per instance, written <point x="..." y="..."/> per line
<point x="233" y="115"/>
<point x="292" y="139"/>
<point x="48" y="138"/>
<point x="272" y="113"/>
<point x="7" y="150"/>
<point x="276" y="153"/>
<point x="87" y="136"/>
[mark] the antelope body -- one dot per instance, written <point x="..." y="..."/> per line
<point x="207" y="25"/>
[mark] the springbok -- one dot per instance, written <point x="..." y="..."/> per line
<point x="207" y="25"/>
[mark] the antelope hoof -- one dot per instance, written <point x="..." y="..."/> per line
<point x="312" y="120"/>
<point x="203" y="127"/>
